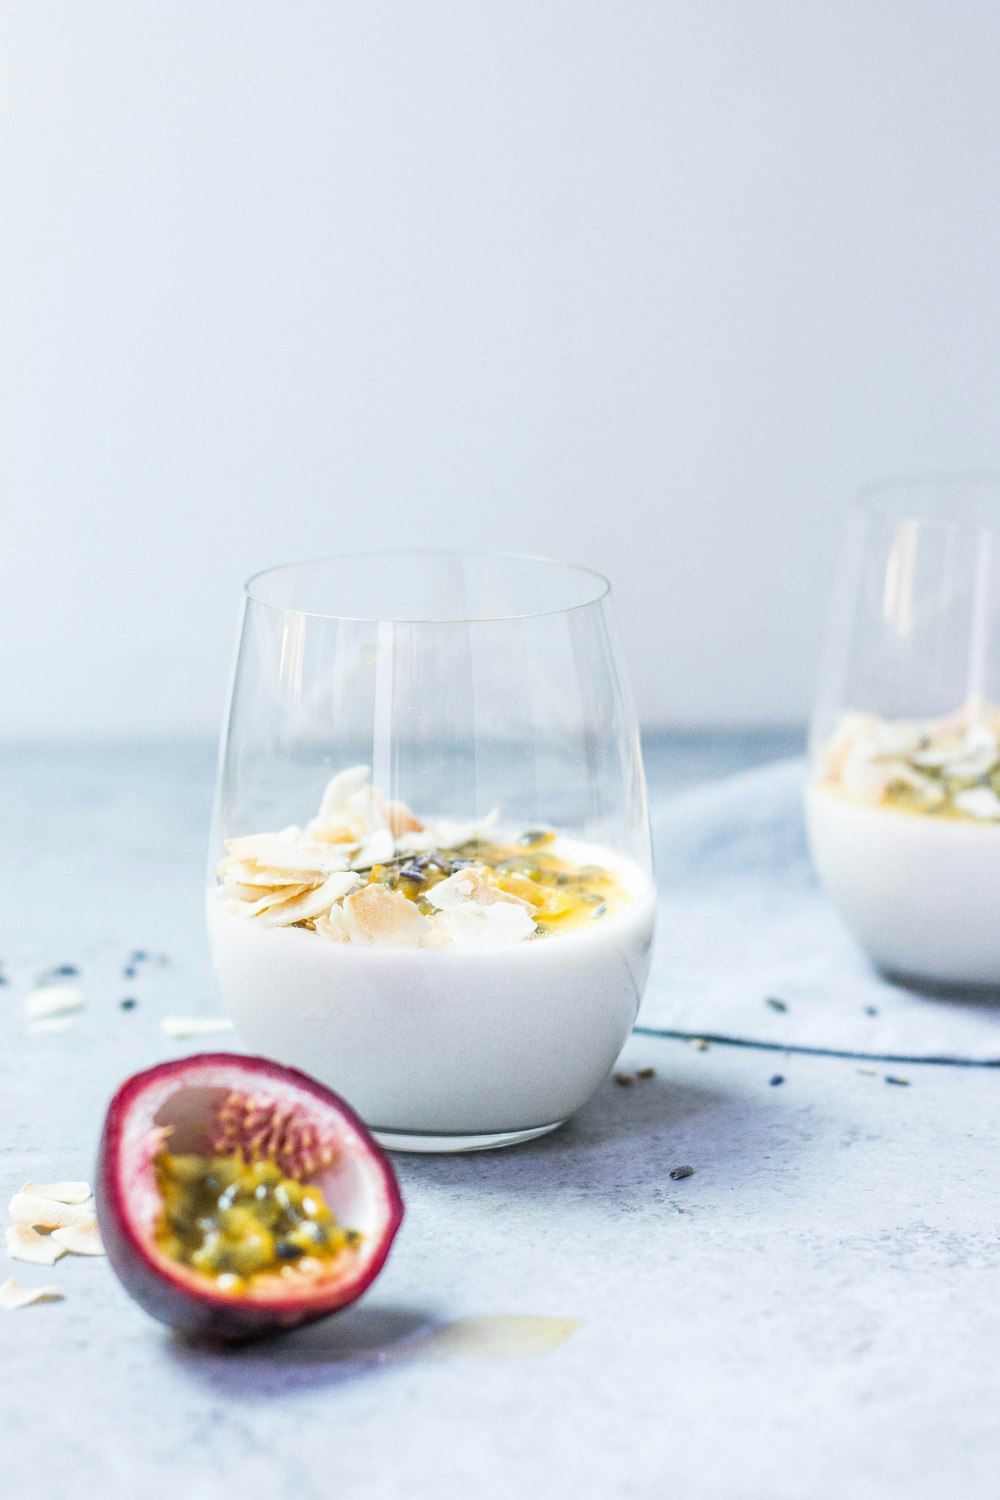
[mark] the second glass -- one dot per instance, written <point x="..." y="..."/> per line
<point x="904" y="797"/>
<point x="430" y="879"/>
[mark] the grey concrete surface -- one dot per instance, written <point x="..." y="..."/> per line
<point x="811" y="1315"/>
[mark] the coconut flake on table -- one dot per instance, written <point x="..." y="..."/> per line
<point x="25" y="1243"/>
<point x="53" y="1000"/>
<point x="13" y="1295"/>
<point x="60" y="1192"/>
<point x="80" y="1239"/>
<point x="48" y="1213"/>
<point x="190" y="1026"/>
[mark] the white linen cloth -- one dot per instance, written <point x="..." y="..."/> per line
<point x="743" y="921"/>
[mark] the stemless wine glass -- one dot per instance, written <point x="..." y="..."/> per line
<point x="478" y="689"/>
<point x="903" y="803"/>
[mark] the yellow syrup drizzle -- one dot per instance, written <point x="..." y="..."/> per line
<point x="564" y="895"/>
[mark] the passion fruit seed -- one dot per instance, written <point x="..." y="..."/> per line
<point x="231" y="1219"/>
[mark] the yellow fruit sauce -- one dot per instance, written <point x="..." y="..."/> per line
<point x="231" y="1220"/>
<point x="563" y="895"/>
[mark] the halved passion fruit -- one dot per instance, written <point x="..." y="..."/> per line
<point x="237" y="1197"/>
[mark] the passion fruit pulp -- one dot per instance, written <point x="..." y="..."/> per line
<point x="237" y="1197"/>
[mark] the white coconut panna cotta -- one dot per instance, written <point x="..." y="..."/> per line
<point x="904" y="829"/>
<point x="449" y="979"/>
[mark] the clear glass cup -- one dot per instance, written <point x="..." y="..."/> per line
<point x="473" y="686"/>
<point x="903" y="800"/>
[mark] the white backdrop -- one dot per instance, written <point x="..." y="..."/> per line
<point x="649" y="284"/>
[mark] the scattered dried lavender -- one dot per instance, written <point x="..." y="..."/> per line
<point x="59" y="971"/>
<point x="775" y="1003"/>
<point x="677" y="1173"/>
<point x="776" y="1079"/>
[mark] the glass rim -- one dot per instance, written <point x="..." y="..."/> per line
<point x="602" y="591"/>
<point x="947" y="498"/>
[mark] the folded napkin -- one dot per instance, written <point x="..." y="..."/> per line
<point x="742" y="923"/>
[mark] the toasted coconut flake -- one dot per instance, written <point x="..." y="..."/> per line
<point x="234" y="890"/>
<point x="417" y="843"/>
<point x="52" y="1000"/>
<point x="979" y="802"/>
<point x="477" y="884"/>
<point x="340" y="837"/>
<point x="289" y="893"/>
<point x="80" y="1239"/>
<point x="332" y="925"/>
<point x="274" y="851"/>
<point x="376" y="850"/>
<point x="62" y="1192"/>
<point x="311" y="903"/>
<point x="339" y="791"/>
<point x="401" y="819"/>
<point x="375" y="915"/>
<point x="471" y="925"/>
<point x="945" y="765"/>
<point x="449" y="834"/>
<point x="25" y="1243"/>
<point x="185" y="1026"/>
<point x="259" y="879"/>
<point x="368" y="810"/>
<point x="47" y="1213"/>
<point x="13" y="1295"/>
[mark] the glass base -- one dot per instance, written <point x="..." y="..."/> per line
<point x="414" y="1140"/>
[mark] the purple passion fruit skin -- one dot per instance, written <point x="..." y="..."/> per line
<point x="238" y="1139"/>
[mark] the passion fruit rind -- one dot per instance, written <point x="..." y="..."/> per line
<point x="321" y="1152"/>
